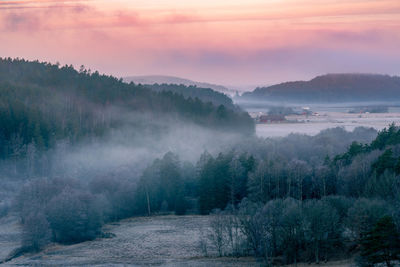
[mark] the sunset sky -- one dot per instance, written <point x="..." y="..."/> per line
<point x="235" y="42"/>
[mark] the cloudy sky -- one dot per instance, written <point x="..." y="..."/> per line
<point x="233" y="42"/>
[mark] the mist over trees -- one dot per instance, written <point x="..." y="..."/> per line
<point x="282" y="207"/>
<point x="43" y="103"/>
<point x="204" y="94"/>
<point x="79" y="149"/>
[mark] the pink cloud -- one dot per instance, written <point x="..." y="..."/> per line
<point x="204" y="42"/>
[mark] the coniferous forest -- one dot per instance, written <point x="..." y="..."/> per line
<point x="79" y="149"/>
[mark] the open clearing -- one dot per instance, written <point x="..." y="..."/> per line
<point x="142" y="241"/>
<point x="312" y="125"/>
<point x="162" y="240"/>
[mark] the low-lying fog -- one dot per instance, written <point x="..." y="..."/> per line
<point x="312" y="125"/>
<point x="322" y="116"/>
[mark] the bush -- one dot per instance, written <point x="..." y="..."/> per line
<point x="59" y="210"/>
<point x="74" y="216"/>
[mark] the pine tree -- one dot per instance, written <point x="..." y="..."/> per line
<point x="382" y="243"/>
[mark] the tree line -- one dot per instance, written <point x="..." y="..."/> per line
<point x="192" y="91"/>
<point x="281" y="209"/>
<point x="285" y="200"/>
<point x="42" y="104"/>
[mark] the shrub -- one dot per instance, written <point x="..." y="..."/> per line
<point x="74" y="216"/>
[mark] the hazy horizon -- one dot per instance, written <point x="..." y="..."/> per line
<point x="99" y="168"/>
<point x="245" y="87"/>
<point x="237" y="43"/>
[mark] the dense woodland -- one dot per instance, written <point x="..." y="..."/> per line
<point x="41" y="104"/>
<point x="287" y="206"/>
<point x="284" y="200"/>
<point x="204" y="94"/>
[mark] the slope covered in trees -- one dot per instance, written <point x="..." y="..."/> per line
<point x="386" y="140"/>
<point x="204" y="94"/>
<point x="161" y="79"/>
<point x="332" y="88"/>
<point x="41" y="103"/>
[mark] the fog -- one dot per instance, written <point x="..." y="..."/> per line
<point x="127" y="149"/>
<point x="149" y="164"/>
<point x="321" y="116"/>
<point x="130" y="171"/>
<point x="261" y="105"/>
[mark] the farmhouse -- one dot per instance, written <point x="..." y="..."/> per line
<point x="272" y="118"/>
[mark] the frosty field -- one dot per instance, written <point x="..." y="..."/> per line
<point x="312" y="125"/>
<point x="144" y="241"/>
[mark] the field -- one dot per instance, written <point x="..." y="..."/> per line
<point x="144" y="241"/>
<point x="313" y="124"/>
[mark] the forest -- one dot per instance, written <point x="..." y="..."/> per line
<point x="43" y="103"/>
<point x="80" y="149"/>
<point x="205" y="94"/>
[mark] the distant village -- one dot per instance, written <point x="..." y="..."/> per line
<point x="279" y="115"/>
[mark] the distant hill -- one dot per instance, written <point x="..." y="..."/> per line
<point x="332" y="88"/>
<point x="161" y="79"/>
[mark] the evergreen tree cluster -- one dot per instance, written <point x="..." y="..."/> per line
<point x="41" y="103"/>
<point x="204" y="94"/>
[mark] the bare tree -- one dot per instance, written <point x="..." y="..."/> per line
<point x="292" y="229"/>
<point x="322" y="222"/>
<point x="35" y="231"/>
<point x="254" y="227"/>
<point x="236" y="172"/>
<point x="17" y="147"/>
<point x="299" y="169"/>
<point x="31" y="154"/>
<point x="217" y="232"/>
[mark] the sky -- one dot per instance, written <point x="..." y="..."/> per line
<point x="235" y="42"/>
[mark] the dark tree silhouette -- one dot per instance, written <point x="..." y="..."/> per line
<point x="382" y="243"/>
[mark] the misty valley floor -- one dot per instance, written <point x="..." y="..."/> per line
<point x="312" y="125"/>
<point x="162" y="240"/>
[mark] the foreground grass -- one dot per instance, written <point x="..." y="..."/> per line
<point x="161" y="240"/>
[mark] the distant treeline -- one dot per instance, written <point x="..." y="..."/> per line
<point x="204" y="94"/>
<point x="350" y="87"/>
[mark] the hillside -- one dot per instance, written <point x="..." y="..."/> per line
<point x="204" y="94"/>
<point x="332" y="88"/>
<point x="162" y="79"/>
<point x="41" y="103"/>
